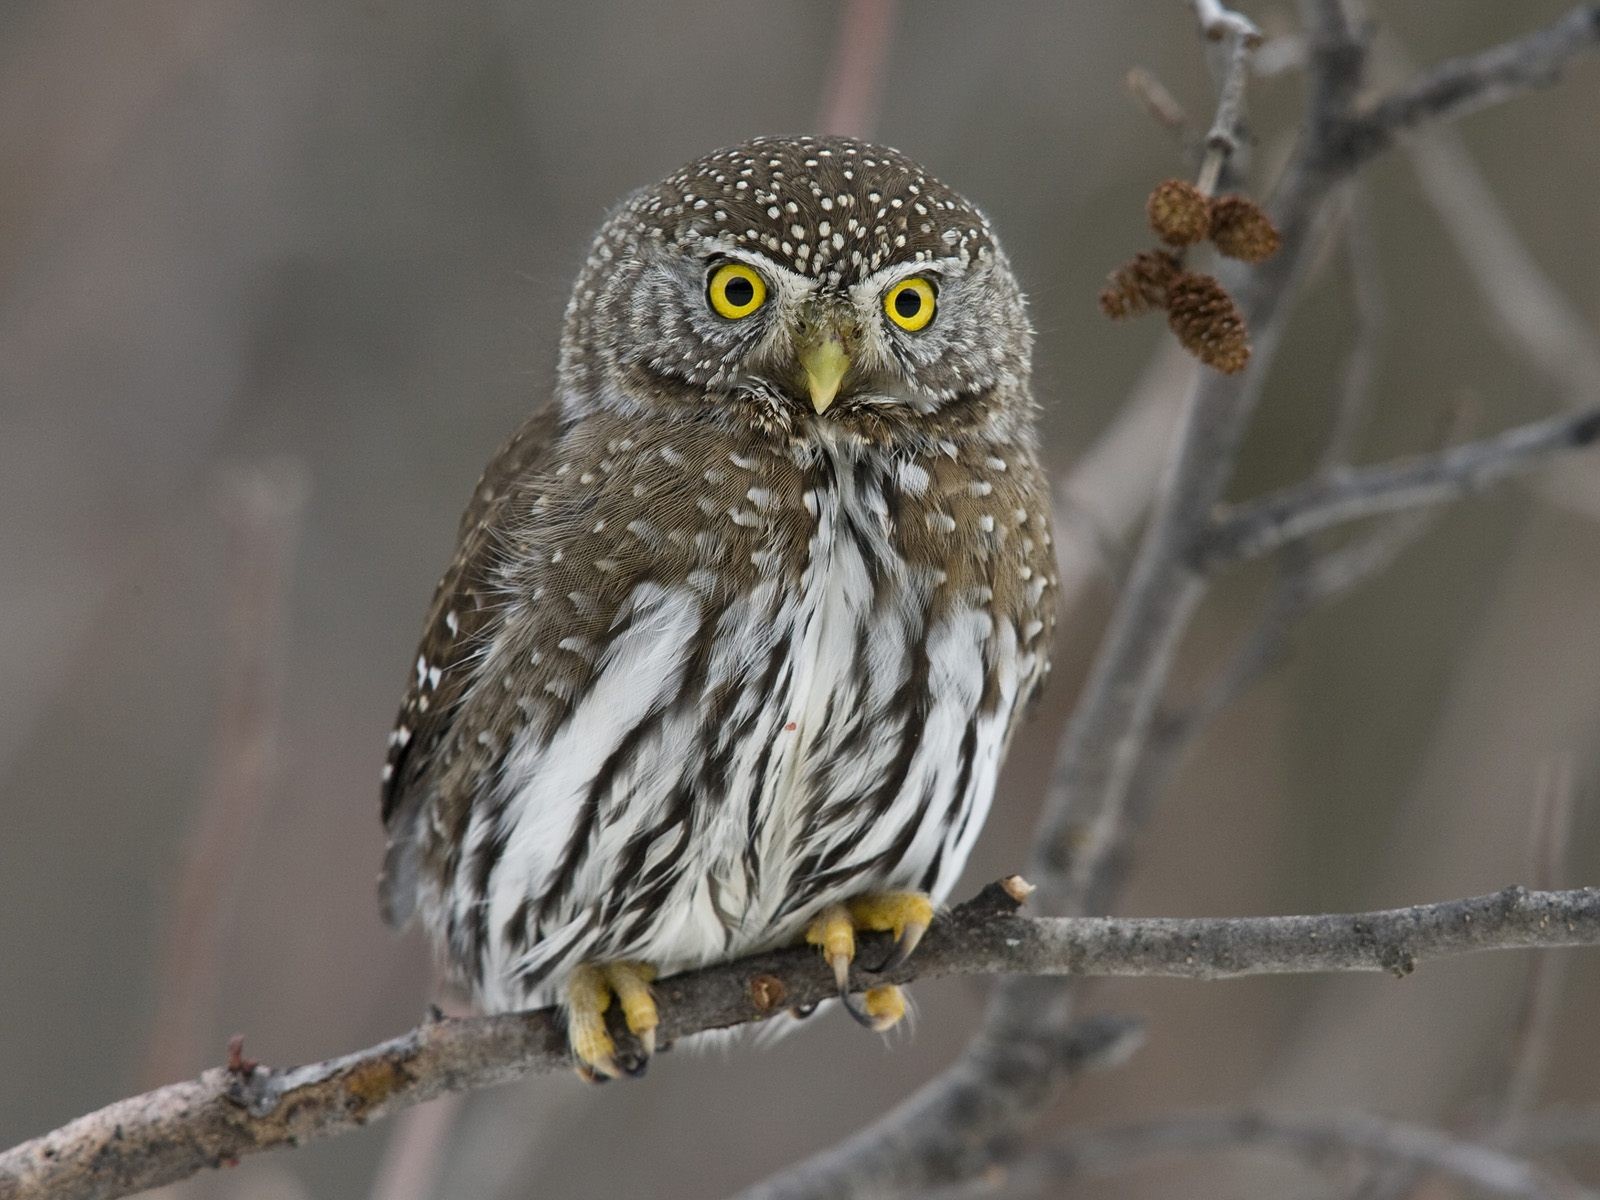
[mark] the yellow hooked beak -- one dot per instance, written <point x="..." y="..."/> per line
<point x="825" y="363"/>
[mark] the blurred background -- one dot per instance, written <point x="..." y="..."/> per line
<point x="276" y="276"/>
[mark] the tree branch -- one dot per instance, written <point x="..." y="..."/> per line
<point x="1260" y="526"/>
<point x="1317" y="1139"/>
<point x="955" y="1126"/>
<point x="176" y="1131"/>
<point x="1464" y="85"/>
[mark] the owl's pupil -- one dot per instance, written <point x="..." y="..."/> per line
<point x="908" y="303"/>
<point x="739" y="291"/>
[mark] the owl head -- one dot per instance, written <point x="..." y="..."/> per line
<point x="790" y="281"/>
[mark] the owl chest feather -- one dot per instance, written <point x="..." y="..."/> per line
<point x="739" y="760"/>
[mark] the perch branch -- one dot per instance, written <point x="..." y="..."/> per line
<point x="176" y="1131"/>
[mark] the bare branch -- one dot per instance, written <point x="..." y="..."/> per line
<point x="1107" y="491"/>
<point x="1464" y="85"/>
<point x="1261" y="526"/>
<point x="1528" y="1050"/>
<point x="1315" y="1139"/>
<point x="1219" y="22"/>
<point x="1555" y="1128"/>
<point x="1156" y="100"/>
<point x="1240" y="38"/>
<point x="175" y="1131"/>
<point x="1366" y="286"/>
<point x="855" y="81"/>
<point x="262" y="507"/>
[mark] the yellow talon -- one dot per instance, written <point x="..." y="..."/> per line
<point x="631" y="982"/>
<point x="589" y="993"/>
<point x="906" y="915"/>
<point x="886" y="1006"/>
<point x="835" y="932"/>
<point x="588" y="998"/>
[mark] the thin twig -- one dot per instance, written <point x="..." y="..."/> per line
<point x="1529" y="1045"/>
<point x="860" y="57"/>
<point x="1361" y="362"/>
<point x="414" y="1157"/>
<point x="1532" y="316"/>
<point x="1261" y="526"/>
<point x="1559" y="1127"/>
<point x="1239" y="37"/>
<point x="1318" y="1140"/>
<point x="1465" y="85"/>
<point x="1156" y="100"/>
<point x="1218" y="22"/>
<point x="1102" y="498"/>
<point x="261" y="507"/>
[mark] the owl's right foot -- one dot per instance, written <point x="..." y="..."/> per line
<point x="589" y="994"/>
<point x="907" y="915"/>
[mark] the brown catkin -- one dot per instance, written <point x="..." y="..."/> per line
<point x="1179" y="212"/>
<point x="1139" y="285"/>
<point x="1240" y="229"/>
<point x="1208" y="322"/>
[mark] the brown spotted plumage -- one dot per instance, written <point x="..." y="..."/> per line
<point x="741" y="621"/>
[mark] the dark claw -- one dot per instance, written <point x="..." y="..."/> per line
<point x="898" y="953"/>
<point x="859" y="1014"/>
<point x="801" y="1011"/>
<point x="907" y="942"/>
<point x="634" y="1065"/>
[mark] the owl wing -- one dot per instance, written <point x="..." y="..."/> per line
<point x="444" y="668"/>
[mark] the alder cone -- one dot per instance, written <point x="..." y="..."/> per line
<point x="1208" y="322"/>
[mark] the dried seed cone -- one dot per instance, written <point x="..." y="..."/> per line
<point x="1179" y="212"/>
<point x="1208" y="322"/>
<point x="1139" y="285"/>
<point x="1240" y="229"/>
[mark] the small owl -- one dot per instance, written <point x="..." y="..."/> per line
<point x="741" y="621"/>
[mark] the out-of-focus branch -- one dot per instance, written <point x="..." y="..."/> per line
<point x="1464" y="85"/>
<point x="1108" y="490"/>
<point x="1315" y="1139"/>
<point x="1218" y="22"/>
<point x="1261" y="526"/>
<point x="1531" y="315"/>
<point x="176" y="1131"/>
<point x="1371" y="310"/>
<point x="855" y="80"/>
<point x="261" y="507"/>
<point x="1239" y="37"/>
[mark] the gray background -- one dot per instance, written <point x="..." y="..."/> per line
<point x="243" y="229"/>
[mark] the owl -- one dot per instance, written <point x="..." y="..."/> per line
<point x="742" y="620"/>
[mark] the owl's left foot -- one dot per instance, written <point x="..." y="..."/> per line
<point x="907" y="915"/>
<point x="589" y="994"/>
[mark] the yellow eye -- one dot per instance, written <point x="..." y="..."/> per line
<point x="735" y="291"/>
<point x="910" y="303"/>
